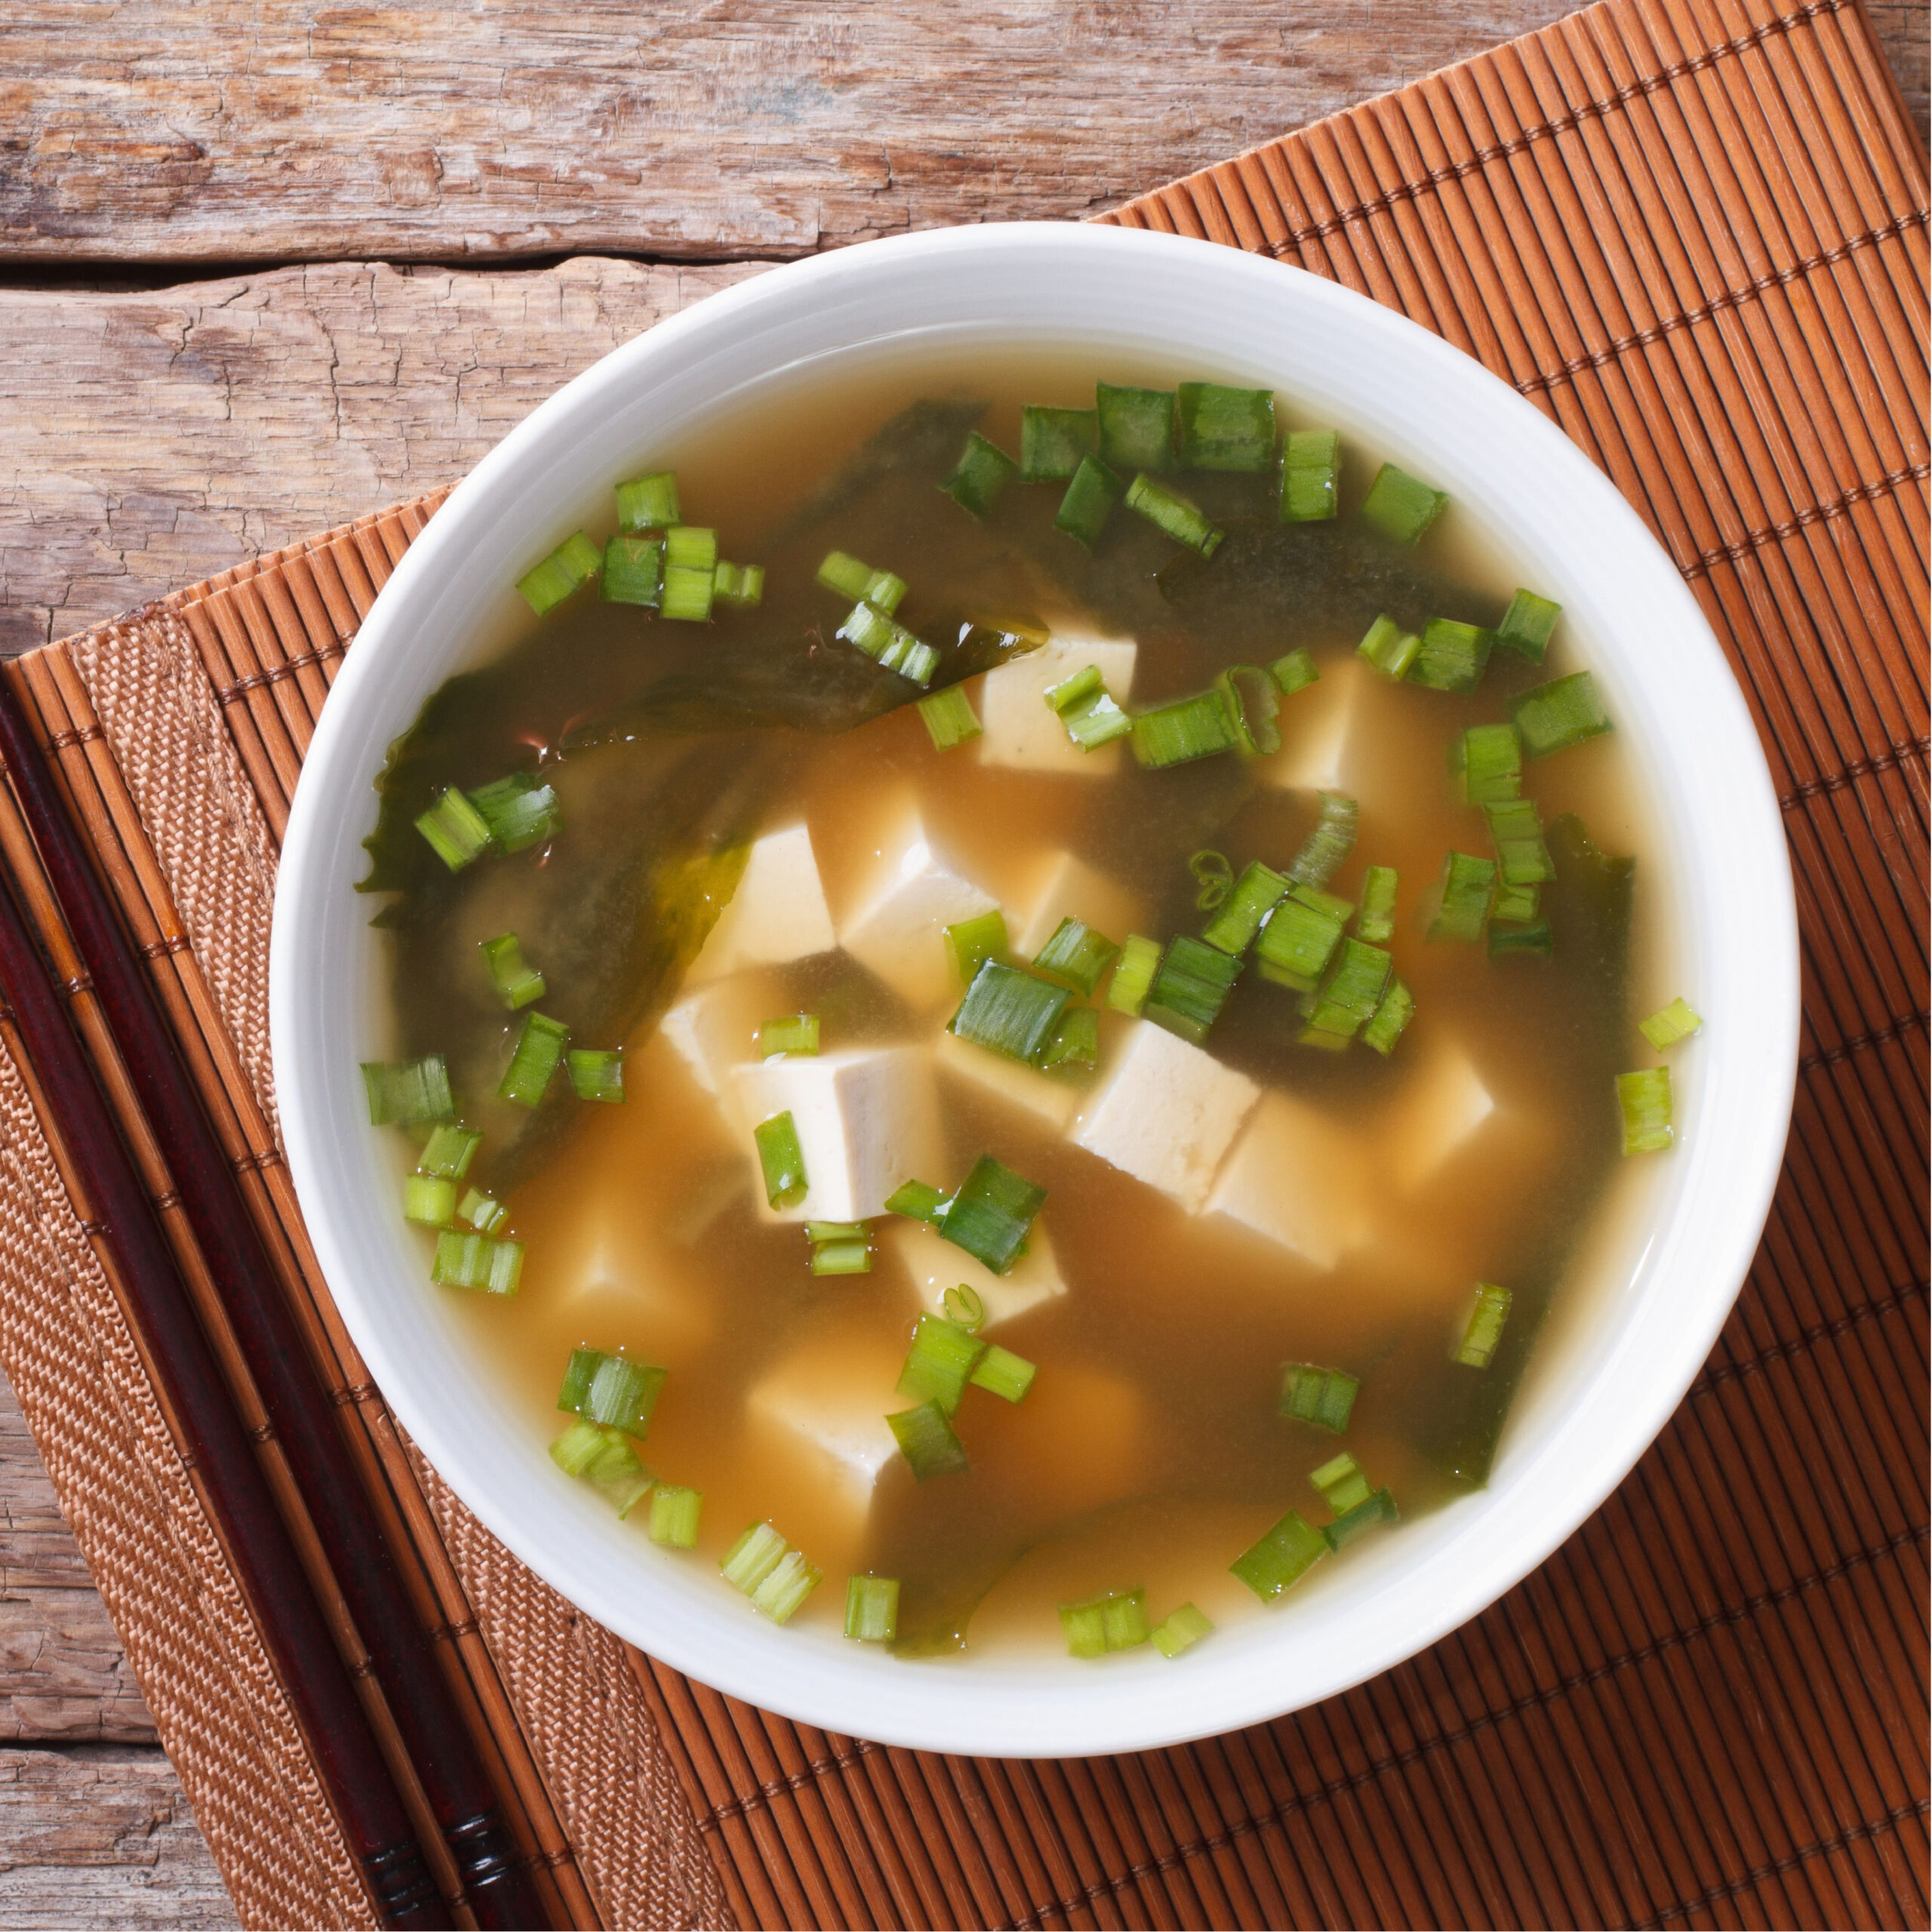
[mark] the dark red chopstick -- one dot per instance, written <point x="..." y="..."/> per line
<point x="307" y="1424"/>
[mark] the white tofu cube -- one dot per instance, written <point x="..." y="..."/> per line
<point x="1298" y="1178"/>
<point x="867" y="1120"/>
<point x="1167" y="1114"/>
<point x="1049" y="1097"/>
<point x="713" y="1028"/>
<point x="1319" y="726"/>
<point x="1065" y="888"/>
<point x="777" y="914"/>
<point x="1017" y="725"/>
<point x="1440" y="1111"/>
<point x="935" y="1265"/>
<point x="898" y="926"/>
<point x="824" y="1409"/>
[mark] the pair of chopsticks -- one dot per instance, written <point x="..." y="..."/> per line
<point x="303" y="1420"/>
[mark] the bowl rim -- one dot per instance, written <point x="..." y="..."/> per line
<point x="1730" y="1163"/>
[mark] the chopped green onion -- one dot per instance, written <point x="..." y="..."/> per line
<point x="1376" y="921"/>
<point x="1452" y="657"/>
<point x="781" y="1592"/>
<point x="1181" y="1630"/>
<point x="741" y="586"/>
<point x="1009" y="1010"/>
<point x="1115" y="1622"/>
<point x="1190" y="987"/>
<point x="1399" y="506"/>
<point x="1224" y="429"/>
<point x="1483" y="1329"/>
<point x="984" y="470"/>
<point x="406" y="1092"/>
<point x="1465" y="885"/>
<point x="538" y="1047"/>
<point x="869" y="629"/>
<point x="1379" y="1507"/>
<point x="687" y="547"/>
<point x="1257" y="892"/>
<point x="633" y="571"/>
<point x="1487" y="759"/>
<point x="1053" y="441"/>
<point x="1534" y="938"/>
<point x="1003" y="1373"/>
<point x="1215" y="877"/>
<point x="596" y="1074"/>
<point x="793" y="1033"/>
<point x="1137" y="427"/>
<point x="961" y="1306"/>
<point x="482" y="1213"/>
<point x="973" y="942"/>
<point x="1389" y="648"/>
<point x="948" y="717"/>
<point x="448" y="1152"/>
<point x="1676" y="1022"/>
<point x="942" y="1356"/>
<point x="518" y="982"/>
<point x="817" y="1231"/>
<point x="1190" y="728"/>
<point x="917" y="1201"/>
<point x="687" y="593"/>
<point x="1563" y="712"/>
<point x="428" y="1200"/>
<point x="1297" y="942"/>
<point x="1397" y="1009"/>
<point x="602" y="1458"/>
<point x="781" y="1159"/>
<point x="1290" y="1549"/>
<point x="871" y="1609"/>
<point x="475" y="1261"/>
<point x="1517" y="829"/>
<point x="1089" y="501"/>
<point x="521" y="811"/>
<point x="861" y="583"/>
<point x="1173" y="513"/>
<point x="1076" y="1040"/>
<point x="1527" y="625"/>
<point x="674" y="1517"/>
<point x="613" y="1389"/>
<point x="1515" y="904"/>
<point x="570" y="566"/>
<point x="1252" y="699"/>
<point x="1352" y="992"/>
<point x="754" y="1557"/>
<point x="1330" y="842"/>
<point x="1311" y="469"/>
<point x="1294" y="672"/>
<point x="1077" y="954"/>
<point x="648" y="503"/>
<point x="1091" y="717"/>
<point x="1086" y="1627"/>
<point x="456" y="830"/>
<point x="1342" y="1482"/>
<point x="990" y="1214"/>
<point x="1323" y="1396"/>
<point x="1133" y="977"/>
<point x="927" y="1441"/>
<point x="1643" y="1098"/>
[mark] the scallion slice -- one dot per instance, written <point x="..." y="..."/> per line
<point x="1294" y="671"/>
<point x="1532" y="938"/>
<point x="1643" y="1099"/>
<point x="687" y="546"/>
<point x="1076" y="1040"/>
<point x="1330" y="842"/>
<point x="602" y="1458"/>
<point x="428" y="1200"/>
<point x="1517" y="829"/>
<point x="404" y="1093"/>
<point x="1389" y="648"/>
<point x="740" y="585"/>
<point x="1078" y="955"/>
<point x="1399" y="506"/>
<point x="781" y="1160"/>
<point x="755" y="1555"/>
<point x="1137" y="427"/>
<point x="1004" y="1374"/>
<point x="519" y="983"/>
<point x="1397" y="1009"/>
<point x="633" y="570"/>
<point x="569" y="567"/>
<point x="1676" y="1022"/>
<point x="1254" y="699"/>
<point x="1053" y="442"/>
<point x="942" y="1356"/>
<point x="674" y="1516"/>
<point x="990" y="1216"/>
<point x="871" y="1609"/>
<point x="476" y="1261"/>
<point x="1173" y="513"/>
<point x="1376" y="921"/>
<point x="1255" y="894"/>
<point x="1009" y="1010"/>
<point x="1224" y="429"/>
<point x="1487" y="760"/>
<point x="1311" y="470"/>
<point x="984" y="470"/>
<point x="596" y="1073"/>
<point x="521" y="811"/>
<point x="1181" y="1630"/>
<point x="1190" y="987"/>
<point x="817" y="1231"/>
<point x="688" y="590"/>
<point x="448" y="1152"/>
<point x="1297" y="942"/>
<point x="1373" y="1509"/>
<point x="1465" y="886"/>
<point x="869" y="629"/>
<point x="1288" y="1552"/>
<point x="1133" y="977"/>
<point x="780" y="1594"/>
<point x="791" y="1033"/>
<point x="1515" y="904"/>
<point x="482" y="1213"/>
<point x="948" y="717"/>
<point x="861" y="583"/>
<point x="1323" y="1396"/>
<point x="1342" y="1482"/>
<point x="538" y="1047"/>
<point x="616" y="1390"/>
<point x="1115" y="1622"/>
<point x="456" y="831"/>
<point x="918" y="1201"/>
<point x="961" y="1306"/>
<point x="1089" y="501"/>
<point x="1527" y="625"/>
<point x="1349" y="995"/>
<point x="1452" y="657"/>
<point x="1082" y="704"/>
<point x="1484" y="1328"/>
<point x="1215" y="877"/>
<point x="973" y="942"/>
<point x="648" y="503"/>
<point x="1190" y="728"/>
<point x="1085" y="1627"/>
<point x="1563" y="712"/>
<point x="927" y="1441"/>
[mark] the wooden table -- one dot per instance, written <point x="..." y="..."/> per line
<point x="264" y="266"/>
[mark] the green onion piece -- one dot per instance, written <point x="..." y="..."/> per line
<point x="538" y="1047"/>
<point x="1533" y="939"/>
<point x="1342" y="1483"/>
<point x="1297" y="943"/>
<point x="482" y="1213"/>
<point x="1076" y="1040"/>
<point x="521" y="811"/>
<point x="1376" y="922"/>
<point x="1311" y="469"/>
<point x="781" y="1592"/>
<point x="878" y="636"/>
<point x="1137" y="427"/>
<point x="818" y="1230"/>
<point x="942" y="1356"/>
<point x="570" y="566"/>
<point x="1053" y="442"/>
<point x="1527" y="625"/>
<point x="917" y="664"/>
<point x="633" y="571"/>
<point x="861" y="583"/>
<point x="1009" y="1010"/>
<point x="1085" y="1625"/>
<point x="1465" y="885"/>
<point x="1389" y="648"/>
<point x="1643" y="1098"/>
<point x="990" y="1214"/>
<point x="1257" y="893"/>
<point x="1352" y="991"/>
<point x="741" y="586"/>
<point x="1487" y="760"/>
<point x="405" y="1092"/>
<point x="842" y="1257"/>
<point x="1397" y="1009"/>
<point x="1252" y="699"/>
<point x="1516" y="904"/>
<point x="613" y="1389"/>
<point x="1294" y="672"/>
<point x="1089" y="501"/>
<point x="1077" y="954"/>
<point x="754" y="1557"/>
<point x="1676" y="1022"/>
<point x="917" y="1201"/>
<point x="871" y="1609"/>
<point x="1216" y="876"/>
<point x="518" y="984"/>
<point x="781" y="1160"/>
<point x="1224" y="429"/>
<point x="973" y="942"/>
<point x="1291" y="1548"/>
<point x="1452" y="657"/>
<point x="1517" y="829"/>
<point x="1091" y="717"/>
<point x="1181" y="1630"/>
<point x="689" y="547"/>
<point x="793" y="1033"/>
<point x="1115" y="1622"/>
<point x="961" y="1306"/>
<point x="1166" y="511"/>
<point x="1483" y="1329"/>
<point x="687" y="593"/>
<point x="674" y="1517"/>
<point x="1190" y="728"/>
<point x="602" y="1458"/>
<point x="927" y="1441"/>
<point x="1373" y="1509"/>
<point x="596" y="1074"/>
<point x="984" y="470"/>
<point x="428" y="1200"/>
<point x="1133" y="977"/>
<point x="1190" y="987"/>
<point x="575" y="1449"/>
<point x="948" y="717"/>
<point x="1005" y="1374"/>
<point x="648" y="503"/>
<point x="1399" y="506"/>
<point x="1331" y="841"/>
<point x="475" y="1261"/>
<point x="1323" y="1396"/>
<point x="448" y="1152"/>
<point x="1553" y="716"/>
<point x="455" y="828"/>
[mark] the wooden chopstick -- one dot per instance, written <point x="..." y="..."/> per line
<point x="306" y="1423"/>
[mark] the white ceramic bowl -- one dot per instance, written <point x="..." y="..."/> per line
<point x="1604" y="1384"/>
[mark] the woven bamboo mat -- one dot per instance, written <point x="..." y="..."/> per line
<point x="1693" y="232"/>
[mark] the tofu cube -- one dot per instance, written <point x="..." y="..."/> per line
<point x="867" y="1120"/>
<point x="896" y="928"/>
<point x="1300" y="1178"/>
<point x="1049" y="1097"/>
<point x="1167" y="1114"/>
<point x="935" y="1265"/>
<point x="777" y="914"/>
<point x="1065" y="888"/>
<point x="822" y="1412"/>
<point x="1319" y="726"/>
<point x="1439" y="1112"/>
<point x="1018" y="727"/>
<point x="713" y="1028"/>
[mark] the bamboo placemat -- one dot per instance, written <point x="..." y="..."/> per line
<point x="1694" y="232"/>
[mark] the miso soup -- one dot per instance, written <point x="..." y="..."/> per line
<point x="1043" y="972"/>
